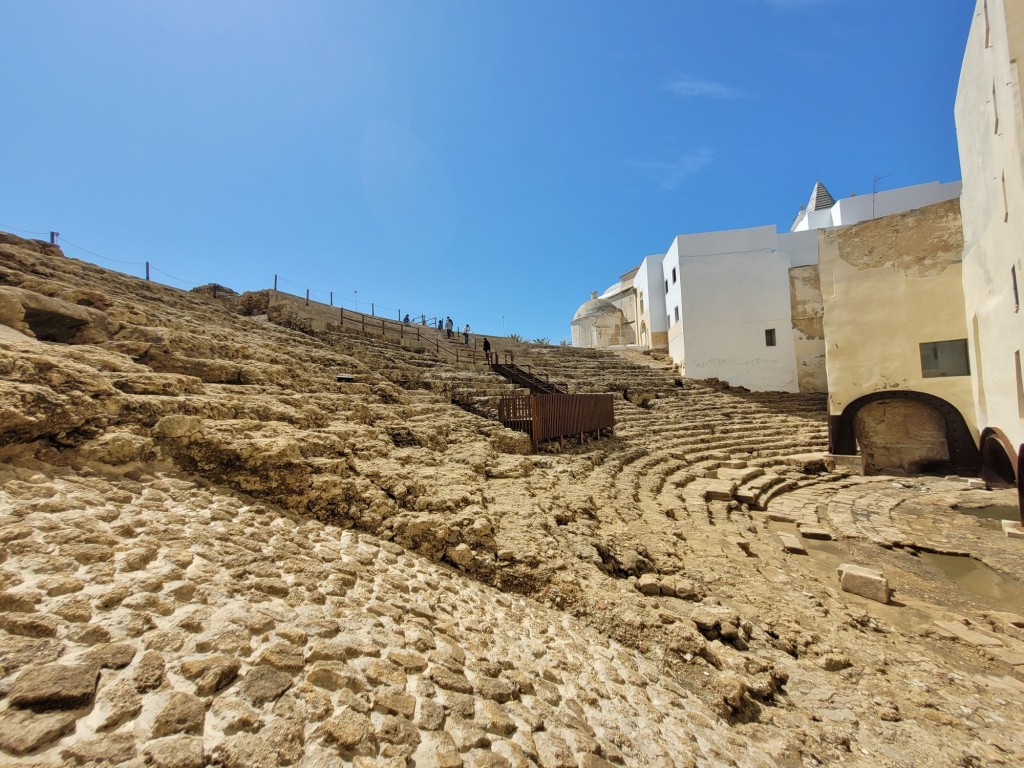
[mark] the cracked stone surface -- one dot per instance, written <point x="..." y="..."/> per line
<point x="212" y="552"/>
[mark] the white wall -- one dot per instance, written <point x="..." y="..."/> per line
<point x="992" y="163"/>
<point x="802" y="247"/>
<point x="729" y="300"/>
<point x="650" y="279"/>
<point x="851" y="210"/>
<point x="856" y="208"/>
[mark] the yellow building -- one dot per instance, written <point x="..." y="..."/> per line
<point x="899" y="377"/>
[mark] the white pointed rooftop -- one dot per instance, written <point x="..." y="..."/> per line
<point x="821" y="198"/>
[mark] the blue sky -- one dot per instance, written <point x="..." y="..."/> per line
<point x="495" y="161"/>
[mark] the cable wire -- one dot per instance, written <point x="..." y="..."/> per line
<point x="98" y="256"/>
<point x="18" y="229"/>
<point x="186" y="282"/>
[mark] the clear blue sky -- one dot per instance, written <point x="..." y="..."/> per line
<point x="477" y="158"/>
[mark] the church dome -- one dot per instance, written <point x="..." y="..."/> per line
<point x="595" y="308"/>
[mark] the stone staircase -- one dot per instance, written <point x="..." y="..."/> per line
<point x="683" y="440"/>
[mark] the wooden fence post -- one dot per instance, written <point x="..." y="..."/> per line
<point x="534" y="418"/>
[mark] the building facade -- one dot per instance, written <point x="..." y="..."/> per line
<point x="990" y="135"/>
<point x="742" y="306"/>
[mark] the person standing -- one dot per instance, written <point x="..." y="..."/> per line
<point x="465" y="335"/>
<point x="448" y="326"/>
<point x="487" y="350"/>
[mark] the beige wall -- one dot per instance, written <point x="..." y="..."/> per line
<point x="990" y="134"/>
<point x="887" y="286"/>
<point x="629" y="330"/>
<point x="807" y="309"/>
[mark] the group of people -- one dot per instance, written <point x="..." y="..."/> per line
<point x="447" y="327"/>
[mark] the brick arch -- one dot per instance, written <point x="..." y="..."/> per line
<point x="998" y="458"/>
<point x="964" y="457"/>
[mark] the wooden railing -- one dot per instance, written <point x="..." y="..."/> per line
<point x="547" y="417"/>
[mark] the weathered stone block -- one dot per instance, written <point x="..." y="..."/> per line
<point x="792" y="544"/>
<point x="1013" y="529"/>
<point x="865" y="582"/>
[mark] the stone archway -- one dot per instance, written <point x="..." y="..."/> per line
<point x="998" y="458"/>
<point x="905" y="432"/>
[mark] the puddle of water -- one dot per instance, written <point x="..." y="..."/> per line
<point x="993" y="513"/>
<point x="977" y="578"/>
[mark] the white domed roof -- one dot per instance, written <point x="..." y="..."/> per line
<point x="595" y="308"/>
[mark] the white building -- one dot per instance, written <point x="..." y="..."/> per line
<point x="990" y="135"/>
<point x="744" y="305"/>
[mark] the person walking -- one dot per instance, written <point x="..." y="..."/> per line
<point x="465" y="335"/>
<point x="487" y="350"/>
<point x="448" y="326"/>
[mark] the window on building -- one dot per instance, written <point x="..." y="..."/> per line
<point x="668" y="320"/>
<point x="666" y="286"/>
<point x="677" y="314"/>
<point x="1013" y="284"/>
<point x="769" y="337"/>
<point x="673" y="275"/>
<point x="945" y="358"/>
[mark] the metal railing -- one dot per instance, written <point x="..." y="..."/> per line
<point x="430" y="337"/>
<point x="537" y="383"/>
<point x="549" y="417"/>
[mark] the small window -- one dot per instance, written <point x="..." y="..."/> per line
<point x="677" y="314"/>
<point x="666" y="286"/>
<point x="673" y="275"/>
<point x="945" y="358"/>
<point x="668" y="319"/>
<point x="1013" y="283"/>
<point x="769" y="337"/>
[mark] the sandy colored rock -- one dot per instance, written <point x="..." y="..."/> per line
<point x="112" y="655"/>
<point x="183" y="713"/>
<point x="212" y="673"/>
<point x="23" y="732"/>
<point x="175" y="752"/>
<point x="347" y="729"/>
<point x="29" y="625"/>
<point x="244" y="750"/>
<point x="55" y="686"/>
<point x="263" y="684"/>
<point x="109" y="750"/>
<point x="149" y="674"/>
